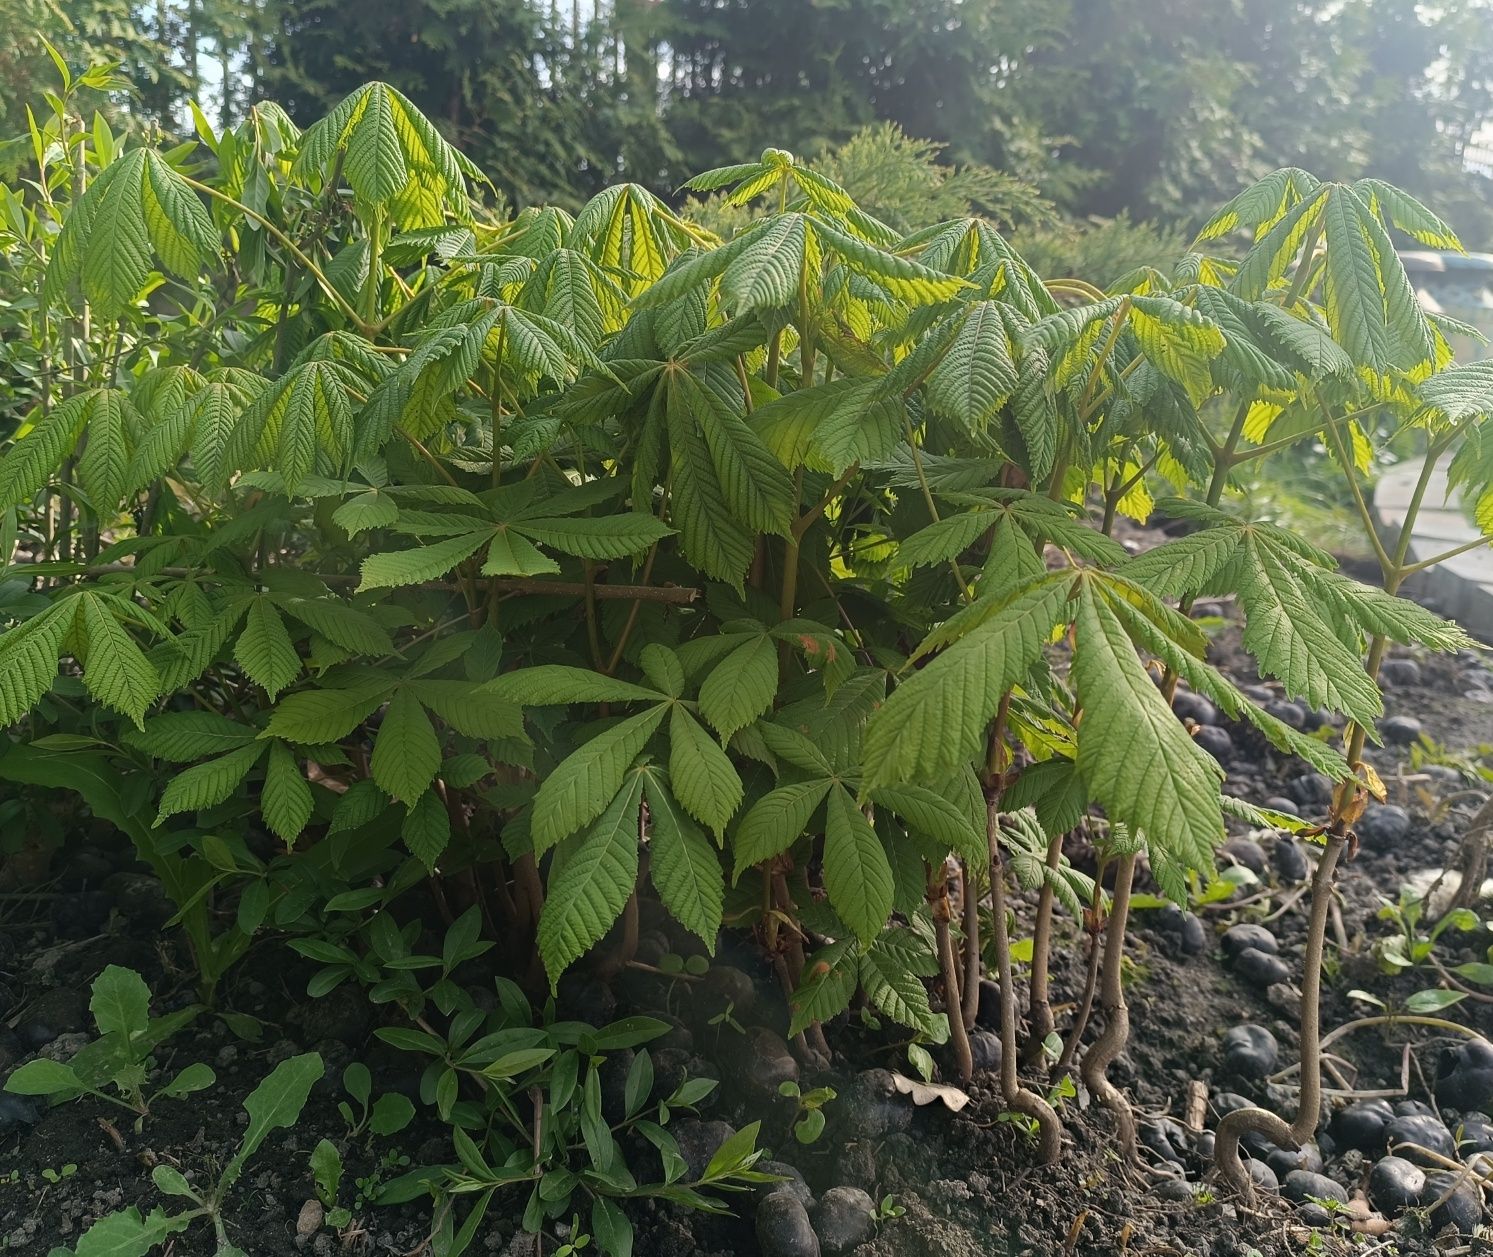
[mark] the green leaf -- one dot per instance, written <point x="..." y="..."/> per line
<point x="685" y="868"/>
<point x="37" y="453"/>
<point x="115" y="670"/>
<point x="314" y="717"/>
<point x="407" y="753"/>
<point x="127" y="1234"/>
<point x="606" y="537"/>
<point x="704" y="778"/>
<point x="427" y="829"/>
<point x="935" y="815"/>
<point x="28" y="660"/>
<point x="775" y="822"/>
<point x="936" y="719"/>
<point x="741" y="687"/>
<point x="899" y="992"/>
<point x="120" y="1002"/>
<point x="586" y="781"/>
<point x="555" y="684"/>
<point x="264" y="649"/>
<point x="208" y="784"/>
<point x="856" y="871"/>
<point x="182" y="736"/>
<point x="285" y="798"/>
<point x="1135" y="756"/>
<point x="977" y="374"/>
<point x="416" y="567"/>
<point x="43" y="1077"/>
<point x="592" y="884"/>
<point x="366" y="512"/>
<point x="273" y="1105"/>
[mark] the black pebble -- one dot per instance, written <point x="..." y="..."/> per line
<point x="1299" y="1185"/>
<point x="1395" y="1185"/>
<point x="1215" y="741"/>
<point x="1287" y="713"/>
<point x="1400" y="730"/>
<point x="1422" y="1131"/>
<point x="1250" y="1051"/>
<point x="1246" y="935"/>
<point x="1462" y="1209"/>
<point x="1260" y="968"/>
<point x="783" y="1228"/>
<point x="1361" y="1125"/>
<point x="1290" y="860"/>
<point x="1382" y="826"/>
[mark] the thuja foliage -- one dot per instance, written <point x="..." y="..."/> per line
<point x="552" y="562"/>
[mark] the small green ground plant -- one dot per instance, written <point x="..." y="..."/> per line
<point x="531" y="566"/>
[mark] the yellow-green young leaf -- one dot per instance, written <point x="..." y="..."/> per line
<point x="395" y="159"/>
<point x="857" y="873"/>
<point x="1406" y="213"/>
<point x="39" y="451"/>
<point x="741" y="687"/>
<point x="684" y="867"/>
<point x="1261" y="205"/>
<point x="28" y="660"/>
<point x="264" y="649"/>
<point x="115" y="670"/>
<point x="578" y="790"/>
<point x="285" y="796"/>
<point x="407" y="752"/>
<point x="208" y="784"/>
<point x="702" y="773"/>
<point x="977" y="375"/>
<point x="415" y="567"/>
<point x="591" y="882"/>
<point x="427" y="829"/>
<point x="1135" y="756"/>
<point x="766" y="275"/>
<point x="775" y="822"/>
<point x="1181" y="348"/>
<point x="936" y="719"/>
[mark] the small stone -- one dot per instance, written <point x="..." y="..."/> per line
<point x="1300" y="1185"/>
<point x="1261" y="968"/>
<point x="1279" y="803"/>
<point x="790" y="1180"/>
<point x="1361" y="1125"/>
<point x="1306" y="1157"/>
<point x="1475" y="1134"/>
<point x="581" y="997"/>
<point x="308" y="1221"/>
<point x="783" y="1228"/>
<point x="1292" y="714"/>
<point x="1395" y="1185"/>
<point x="985" y="1047"/>
<point x="1238" y="938"/>
<point x="729" y="985"/>
<point x="1246" y="852"/>
<point x="872" y="1107"/>
<point x="1399" y="672"/>
<point x="760" y="1062"/>
<point x="1175" y="1191"/>
<point x="17" y="1112"/>
<point x="698" y="1141"/>
<point x="1262" y="1176"/>
<point x="1406" y="1135"/>
<point x="1464" y="1076"/>
<point x="1194" y="707"/>
<point x="1250" y="1051"/>
<point x="1290" y="860"/>
<point x="141" y="899"/>
<point x="1215" y="741"/>
<point x="1462" y="1210"/>
<point x="844" y="1219"/>
<point x="342" y="1015"/>
<point x="1167" y="1138"/>
<point x="59" y="1011"/>
<point x="1382" y="826"/>
<point x="988" y="1013"/>
<point x="1400" y="730"/>
<point x="1310" y="788"/>
<point x="1193" y="936"/>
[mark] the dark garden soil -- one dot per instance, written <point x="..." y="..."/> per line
<point x="966" y="1181"/>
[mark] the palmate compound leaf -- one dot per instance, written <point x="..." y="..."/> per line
<point x="1135" y="757"/>
<point x="49" y="437"/>
<point x="137" y="209"/>
<point x="935" y="721"/>
<point x="592" y="882"/>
